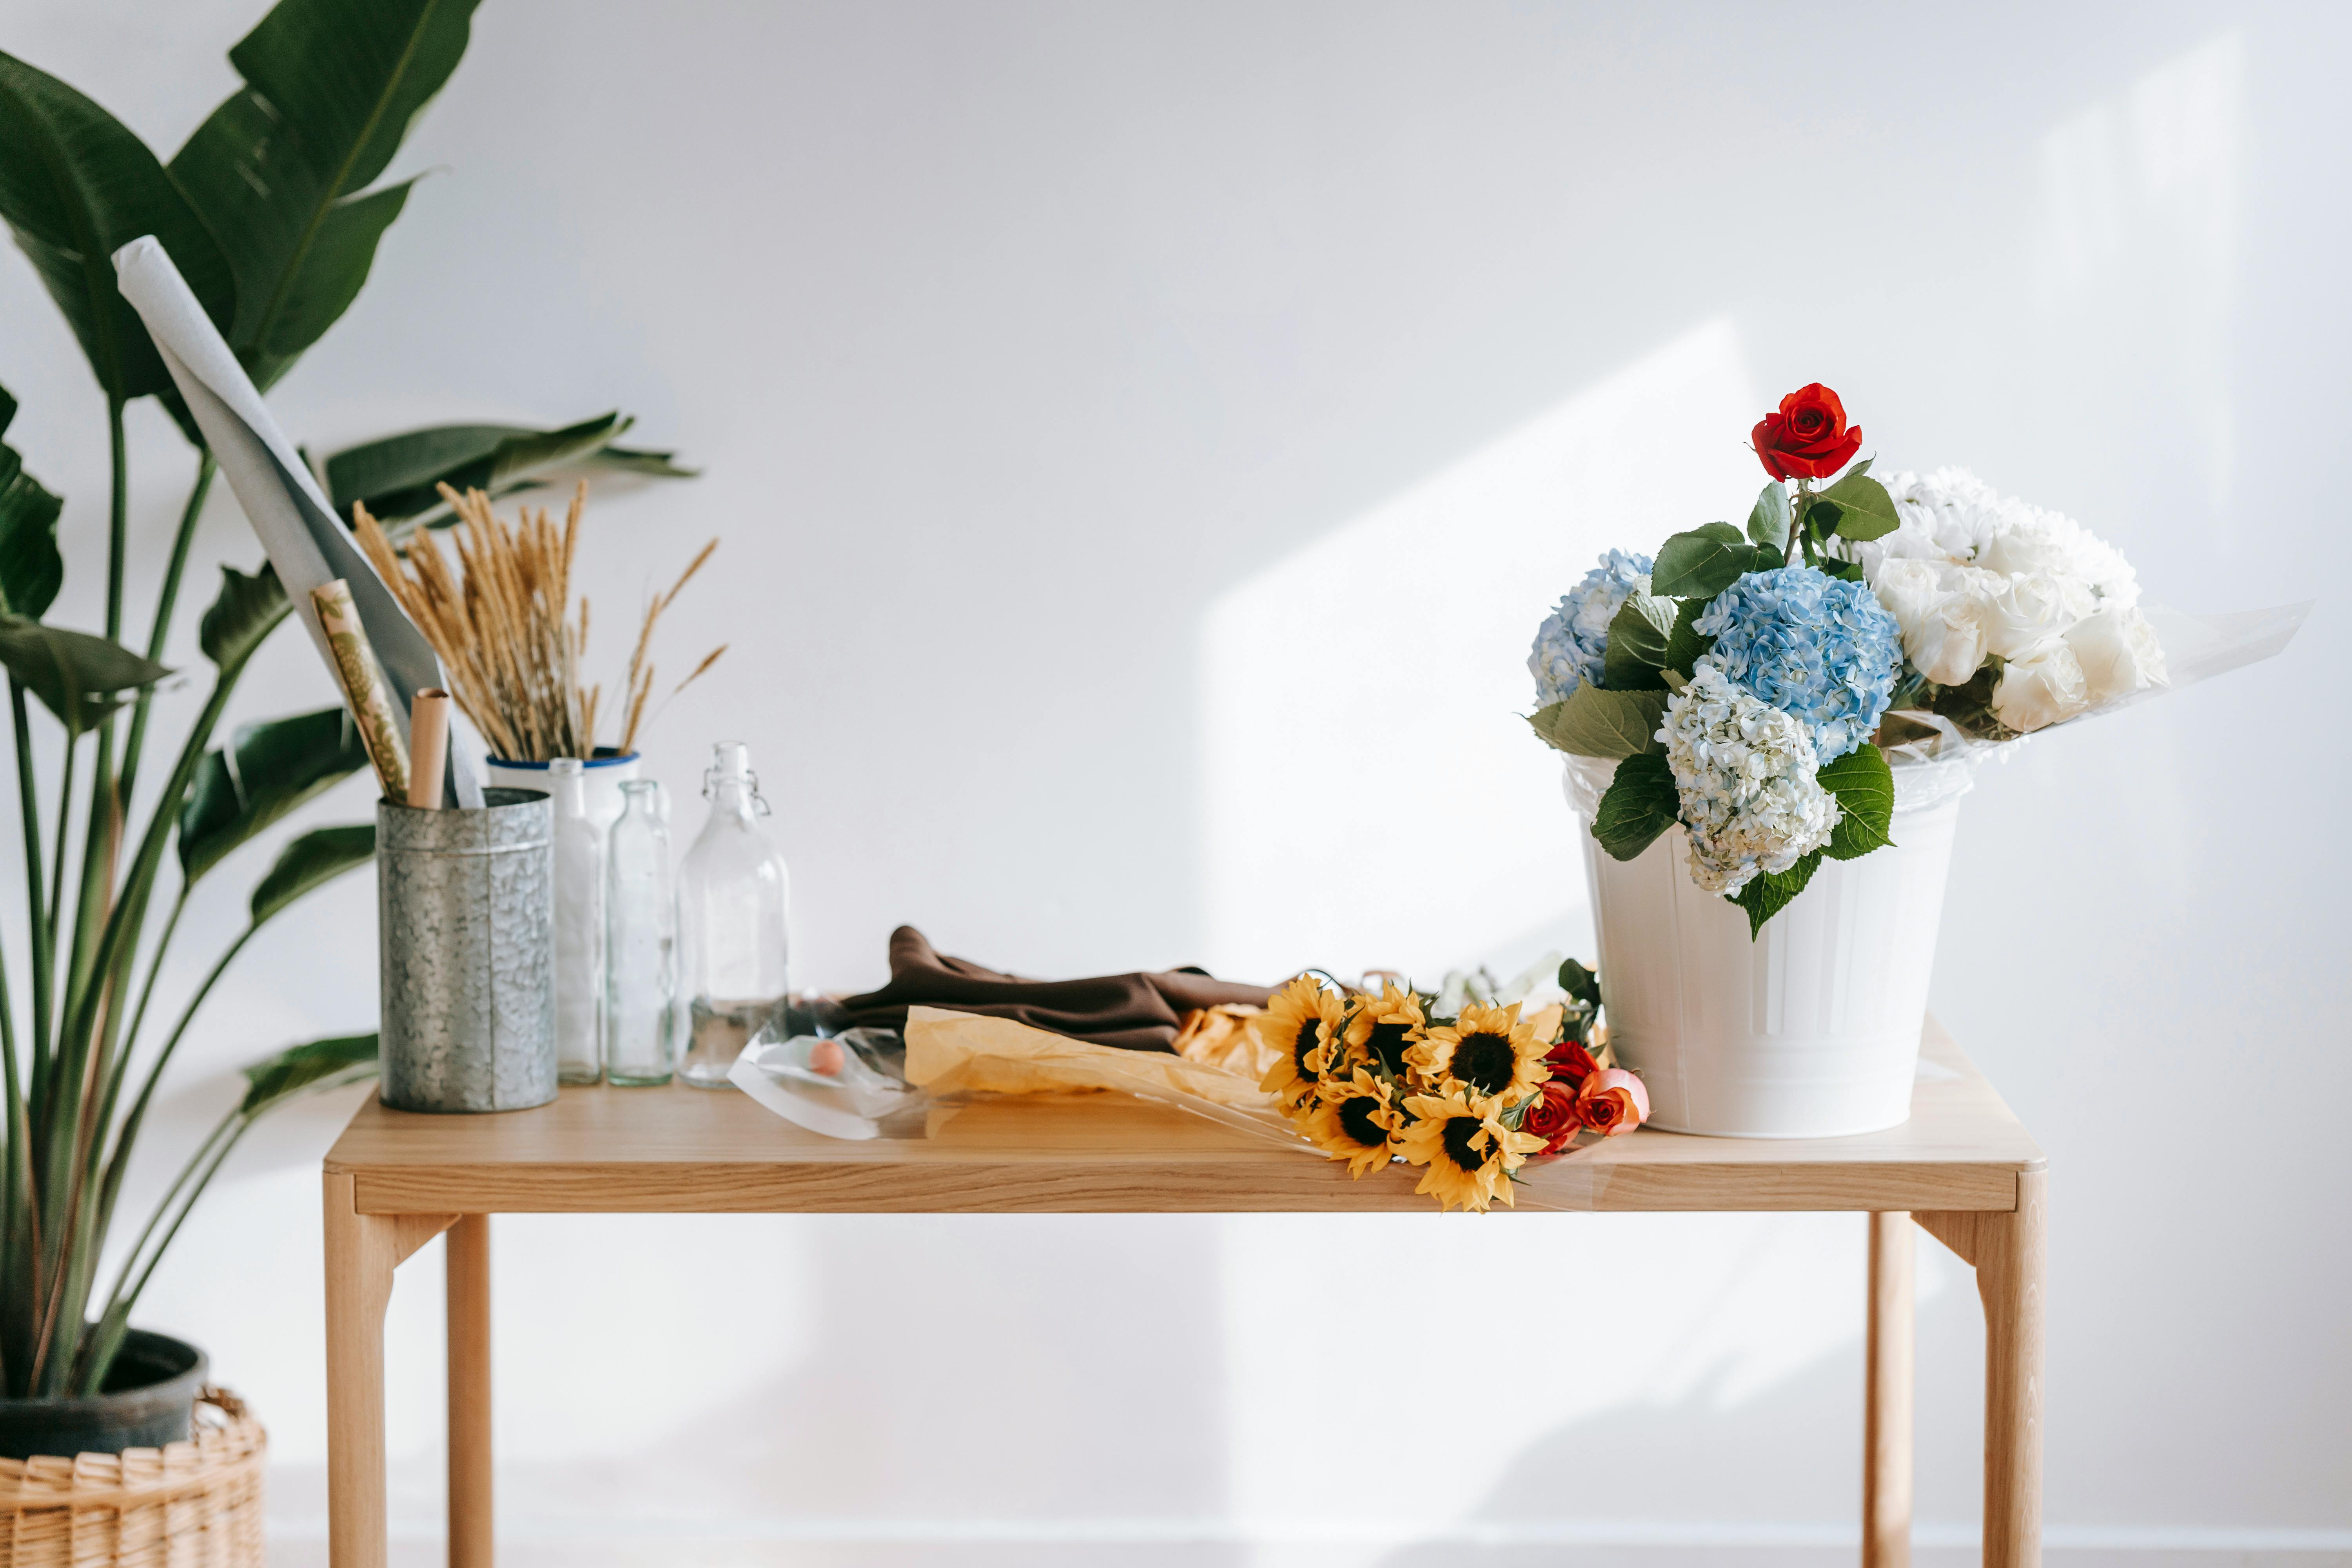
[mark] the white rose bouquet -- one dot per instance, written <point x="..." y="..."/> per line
<point x="1761" y="687"/>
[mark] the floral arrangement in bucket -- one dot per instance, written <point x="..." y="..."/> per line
<point x="1376" y="1078"/>
<point x="1755" y="686"/>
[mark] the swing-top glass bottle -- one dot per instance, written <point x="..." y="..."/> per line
<point x="733" y="893"/>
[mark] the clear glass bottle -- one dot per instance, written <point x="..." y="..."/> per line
<point x="579" y="926"/>
<point x="640" y="942"/>
<point x="732" y="895"/>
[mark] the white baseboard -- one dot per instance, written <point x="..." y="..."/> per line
<point x="528" y="1542"/>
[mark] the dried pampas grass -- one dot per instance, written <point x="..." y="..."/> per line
<point x="503" y="625"/>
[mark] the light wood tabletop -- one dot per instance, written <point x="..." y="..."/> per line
<point x="1961" y="1166"/>
<point x="679" y="1149"/>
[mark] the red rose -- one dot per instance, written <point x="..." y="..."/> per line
<point x="1808" y="439"/>
<point x="1552" y="1117"/>
<point x="1570" y="1060"/>
<point x="1613" y="1101"/>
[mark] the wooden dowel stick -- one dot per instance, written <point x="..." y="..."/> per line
<point x="428" y="746"/>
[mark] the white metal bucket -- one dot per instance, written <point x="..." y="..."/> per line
<point x="1810" y="1031"/>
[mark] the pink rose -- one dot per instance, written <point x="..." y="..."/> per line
<point x="1612" y="1100"/>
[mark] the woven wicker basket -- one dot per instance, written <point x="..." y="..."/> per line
<point x="186" y="1505"/>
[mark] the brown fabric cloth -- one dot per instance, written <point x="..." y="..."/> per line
<point x="1134" y="1012"/>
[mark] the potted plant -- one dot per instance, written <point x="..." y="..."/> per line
<point x="269" y="213"/>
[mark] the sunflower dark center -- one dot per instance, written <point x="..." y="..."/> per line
<point x="1304" y="1046"/>
<point x="1486" y="1062"/>
<point x="1456" y="1139"/>
<point x="1388" y="1045"/>
<point x="1355" y="1121"/>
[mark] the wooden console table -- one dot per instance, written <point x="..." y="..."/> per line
<point x="1962" y="1167"/>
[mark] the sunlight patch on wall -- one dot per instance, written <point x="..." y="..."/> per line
<point x="1373" y="796"/>
<point x="2140" y="232"/>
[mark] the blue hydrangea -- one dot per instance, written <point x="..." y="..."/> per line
<point x="1812" y="644"/>
<point x="1570" y="643"/>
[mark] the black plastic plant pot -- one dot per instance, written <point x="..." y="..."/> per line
<point x="149" y="1400"/>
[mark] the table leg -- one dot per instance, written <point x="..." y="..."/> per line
<point x="362" y="1251"/>
<point x="2008" y="1251"/>
<point x="471" y="1534"/>
<point x="1886" y="1401"/>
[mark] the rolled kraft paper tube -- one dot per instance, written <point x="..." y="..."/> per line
<point x="365" y="691"/>
<point x="428" y="737"/>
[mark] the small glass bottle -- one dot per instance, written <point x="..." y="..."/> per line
<point x="640" y="942"/>
<point x="732" y="895"/>
<point x="579" y="927"/>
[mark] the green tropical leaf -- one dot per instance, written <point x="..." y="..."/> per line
<point x="265" y="772"/>
<point x="1864" y="787"/>
<point x="1685" y="646"/>
<point x="1864" y="510"/>
<point x="1637" y="644"/>
<point x="1769" y="892"/>
<point x="310" y="862"/>
<point x="77" y="677"/>
<point x="398" y="477"/>
<point x="1598" y="722"/>
<point x="1703" y="562"/>
<point x="1641" y="803"/>
<point x="1768" y="521"/>
<point x="298" y="1070"/>
<point x="243" y="613"/>
<point x="75" y="186"/>
<point x="281" y="168"/>
<point x="30" y="567"/>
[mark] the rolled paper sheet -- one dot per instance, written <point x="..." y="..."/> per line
<point x="364" y="693"/>
<point x="307" y="545"/>
<point x="428" y="738"/>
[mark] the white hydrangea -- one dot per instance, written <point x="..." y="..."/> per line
<point x="1745" y="771"/>
<point x="1571" y="643"/>
<point x="1969" y="573"/>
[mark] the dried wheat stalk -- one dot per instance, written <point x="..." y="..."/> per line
<point x="503" y="625"/>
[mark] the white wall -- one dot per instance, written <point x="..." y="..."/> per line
<point x="1094" y="397"/>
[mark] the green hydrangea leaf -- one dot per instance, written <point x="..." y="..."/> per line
<point x="1864" y="787"/>
<point x="1597" y="723"/>
<point x="1683" y="644"/>
<point x="1641" y="803"/>
<point x="1769" y="892"/>
<point x="1637" y="644"/>
<point x="1702" y="562"/>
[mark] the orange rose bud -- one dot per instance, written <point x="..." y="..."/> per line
<point x="1553" y="1117"/>
<point x="1612" y="1100"/>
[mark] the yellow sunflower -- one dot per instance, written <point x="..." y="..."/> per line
<point x="1301" y="1021"/>
<point x="1469" y="1153"/>
<point x="1383" y="1029"/>
<point x="1485" y="1051"/>
<point x="1356" y="1121"/>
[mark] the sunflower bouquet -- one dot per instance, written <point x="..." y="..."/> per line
<point x="1372" y="1077"/>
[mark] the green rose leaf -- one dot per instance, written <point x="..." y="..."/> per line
<point x="1598" y="722"/>
<point x="1864" y="510"/>
<point x="1703" y="562"/>
<point x="1580" y="983"/>
<point x="1637" y="644"/>
<point x="1769" y="523"/>
<point x="1769" y="892"/>
<point x="1641" y="803"/>
<point x="1864" y="787"/>
<point x="1683" y="644"/>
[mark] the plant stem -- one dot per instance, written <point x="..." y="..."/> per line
<point x="37" y="919"/>
<point x="118" y="520"/>
<point x="147" y="991"/>
<point x="164" y="603"/>
<point x="98" y="1353"/>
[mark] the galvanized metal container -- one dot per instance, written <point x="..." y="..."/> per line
<point x="465" y="915"/>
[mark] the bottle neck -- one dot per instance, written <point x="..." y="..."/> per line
<point x="730" y="799"/>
